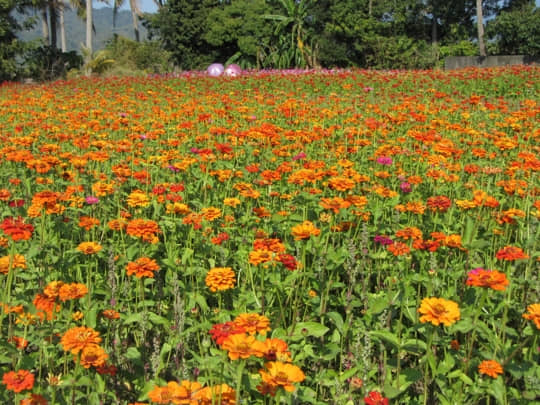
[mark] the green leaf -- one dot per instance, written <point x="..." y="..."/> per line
<point x="377" y="304"/>
<point x="330" y="351"/>
<point x="337" y="318"/>
<point x="158" y="320"/>
<point x="459" y="374"/>
<point x="414" y="346"/>
<point x="137" y="317"/>
<point x="463" y="326"/>
<point x="133" y="353"/>
<point x="188" y="253"/>
<point x="386" y="336"/>
<point x="446" y="365"/>
<point x="348" y="374"/>
<point x="308" y="329"/>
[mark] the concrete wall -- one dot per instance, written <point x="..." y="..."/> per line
<point x="458" y="62"/>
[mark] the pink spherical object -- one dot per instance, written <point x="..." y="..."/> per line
<point x="233" y="70"/>
<point x="215" y="69"/>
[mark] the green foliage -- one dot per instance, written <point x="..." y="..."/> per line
<point x="399" y="52"/>
<point x="47" y="63"/>
<point x="10" y="46"/>
<point x="96" y="63"/>
<point x="134" y="56"/>
<point x="461" y="48"/>
<point x="516" y="32"/>
<point x="295" y="45"/>
<point x="180" y="26"/>
<point x="240" y="30"/>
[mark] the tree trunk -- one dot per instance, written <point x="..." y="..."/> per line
<point x="434" y="31"/>
<point x="45" y="26"/>
<point x="370" y="7"/>
<point x="62" y="29"/>
<point x="88" y="35"/>
<point x="134" y="15"/>
<point x="53" y="13"/>
<point x="480" y="26"/>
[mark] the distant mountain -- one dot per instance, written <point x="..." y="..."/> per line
<point x="76" y="28"/>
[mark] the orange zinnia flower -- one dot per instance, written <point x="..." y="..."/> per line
<point x="439" y="310"/>
<point x="533" y="314"/>
<point x="280" y="374"/>
<point x="12" y="262"/>
<point x="410" y="232"/>
<point x="117" y="224"/>
<point x="398" y="249"/>
<point x="220" y="279"/>
<point x="178" y="208"/>
<point x="110" y="314"/>
<point x="253" y="323"/>
<point x="5" y="194"/>
<point x="487" y="278"/>
<point x="144" y="229"/>
<point x="76" y="339"/>
<point x="511" y="253"/>
<point x="231" y="202"/>
<point x="52" y="290"/>
<point x="142" y="267"/>
<point x="72" y="291"/>
<point x="257" y="257"/>
<point x="215" y="395"/>
<point x="163" y="395"/>
<point x="491" y="368"/>
<point x="93" y="356"/>
<point x="88" y="222"/>
<point x="335" y="204"/>
<point x="210" y="213"/>
<point x="341" y="183"/>
<point x="439" y="203"/>
<point x="176" y="393"/>
<point x="276" y="349"/>
<point x="46" y="306"/>
<point x="138" y="198"/>
<point x="304" y="230"/>
<point x="272" y="244"/>
<point x="18" y="381"/>
<point x="89" y="248"/>
<point x="242" y="346"/>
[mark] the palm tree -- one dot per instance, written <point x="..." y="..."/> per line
<point x="480" y="27"/>
<point x="135" y="14"/>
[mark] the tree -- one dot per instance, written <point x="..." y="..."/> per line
<point x="240" y="32"/>
<point x="294" y="47"/>
<point x="516" y="30"/>
<point x="181" y="25"/>
<point x="135" y="14"/>
<point x="480" y="25"/>
<point x="10" y="46"/>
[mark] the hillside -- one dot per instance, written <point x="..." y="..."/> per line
<point x="76" y="28"/>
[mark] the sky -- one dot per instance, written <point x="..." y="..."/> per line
<point x="147" y="6"/>
<point x="150" y="7"/>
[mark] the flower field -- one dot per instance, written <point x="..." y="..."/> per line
<point x="333" y="237"/>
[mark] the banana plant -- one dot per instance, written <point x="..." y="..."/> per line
<point x="293" y="44"/>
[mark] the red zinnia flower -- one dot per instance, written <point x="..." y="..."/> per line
<point x="288" y="261"/>
<point x="18" y="381"/>
<point x="487" y="278"/>
<point x="16" y="228"/>
<point x="221" y="331"/>
<point x="511" y="253"/>
<point x="375" y="398"/>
